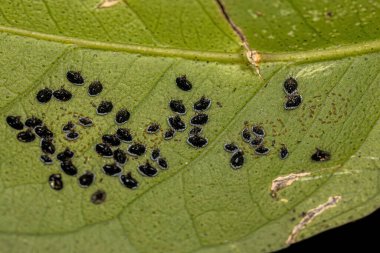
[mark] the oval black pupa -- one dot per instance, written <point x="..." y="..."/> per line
<point x="55" y="182"/>
<point x="177" y="106"/>
<point x="162" y="163"/>
<point x="15" y="122"/>
<point x="47" y="146"/>
<point x="155" y="154"/>
<point x="169" y="134"/>
<point x="33" y="122"/>
<point x="246" y="135"/>
<point x="176" y="123"/>
<point x="197" y="141"/>
<point x="136" y="149"/>
<point x="119" y="156"/>
<point x="153" y="128"/>
<point x="320" y="155"/>
<point x="122" y="116"/>
<point x="62" y="95"/>
<point x="258" y="131"/>
<point x="75" y="77"/>
<point x="26" y="136"/>
<point x="293" y="102"/>
<point x="95" y="88"/>
<point x="283" y="153"/>
<point x="85" y="121"/>
<point x="199" y="120"/>
<point x="85" y="180"/>
<point x="237" y="160"/>
<point x="261" y="150"/>
<point x="257" y="141"/>
<point x="112" y="170"/>
<point x="98" y="197"/>
<point x="104" y="108"/>
<point x="231" y="147"/>
<point x="111" y="139"/>
<point x="290" y="85"/>
<point x="183" y="83"/>
<point x="72" y="135"/>
<point x="202" y="104"/>
<point x="43" y="132"/>
<point x="43" y="96"/>
<point x="124" y="135"/>
<point x="45" y="159"/>
<point x="147" y="170"/>
<point x="65" y="155"/>
<point x="103" y="150"/>
<point x="69" y="126"/>
<point x="195" y="130"/>
<point x="69" y="168"/>
<point x="128" y="181"/>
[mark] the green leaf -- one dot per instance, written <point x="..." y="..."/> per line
<point x="137" y="49"/>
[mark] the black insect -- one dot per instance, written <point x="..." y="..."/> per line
<point x="258" y="131"/>
<point x="43" y="132"/>
<point x="68" y="127"/>
<point x="290" y="85"/>
<point x="98" y="197"/>
<point x="65" y="155"/>
<point x="72" y="135"/>
<point x="136" y="149"/>
<point x="33" y="122"/>
<point x="176" y="123"/>
<point x="169" y="134"/>
<point x="284" y="153"/>
<point x="183" y="83"/>
<point x="103" y="150"/>
<point x="162" y="163"/>
<point x="119" y="156"/>
<point x="153" y="128"/>
<point x="55" y="182"/>
<point x="85" y="121"/>
<point x="246" y="135"/>
<point x="45" y="159"/>
<point x="75" y="77"/>
<point x="177" y="106"/>
<point x="237" y="160"/>
<point x="202" y="104"/>
<point x="95" y="88"/>
<point x="261" y="150"/>
<point x="257" y="141"/>
<point x="43" y="96"/>
<point x="104" y="108"/>
<point x="47" y="146"/>
<point x="155" y="154"/>
<point x="321" y="155"/>
<point x="147" y="170"/>
<point x="195" y="130"/>
<point x="26" y="136"/>
<point x="112" y="170"/>
<point x="122" y="116"/>
<point x="62" y="95"/>
<point x="86" y="179"/>
<point x="111" y="139"/>
<point x="293" y="101"/>
<point x="231" y="147"/>
<point x="199" y="119"/>
<point x="69" y="168"/>
<point x="124" y="135"/>
<point x="15" y="122"/>
<point x="197" y="141"/>
<point x="128" y="181"/>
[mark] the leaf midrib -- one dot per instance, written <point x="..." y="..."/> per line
<point x="233" y="57"/>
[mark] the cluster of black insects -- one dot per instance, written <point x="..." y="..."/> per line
<point x="109" y="147"/>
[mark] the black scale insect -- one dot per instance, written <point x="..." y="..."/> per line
<point x="176" y="123"/>
<point x="153" y="128"/>
<point x="120" y="156"/>
<point x="162" y="163"/>
<point x="47" y="146"/>
<point x="85" y="121"/>
<point x="169" y="134"/>
<point x="284" y="153"/>
<point x="104" y="108"/>
<point x="72" y="135"/>
<point x="111" y="139"/>
<point x="237" y="160"/>
<point x="258" y="131"/>
<point x="62" y="95"/>
<point x="177" y="106"/>
<point x="246" y="135"/>
<point x="55" y="182"/>
<point x="33" y="122"/>
<point x="231" y="147"/>
<point x="86" y="179"/>
<point x="65" y="155"/>
<point x="261" y="150"/>
<point x="43" y="96"/>
<point x="290" y="85"/>
<point x="45" y="159"/>
<point x="75" y="77"/>
<point x="195" y="130"/>
<point x="202" y="104"/>
<point x="147" y="170"/>
<point x="124" y="135"/>
<point x="320" y="155"/>
<point x="136" y="149"/>
<point x="26" y="136"/>
<point x="103" y="150"/>
<point x="95" y="88"/>
<point x="15" y="122"/>
<point x="98" y="197"/>
<point x="183" y="83"/>
<point x="112" y="170"/>
<point x="293" y="101"/>
<point x="69" y="126"/>
<point x="122" y="116"/>
<point x="197" y="141"/>
<point x="43" y="132"/>
<point x="69" y="168"/>
<point x="155" y="154"/>
<point x="257" y="141"/>
<point x="128" y="181"/>
<point x="199" y="119"/>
